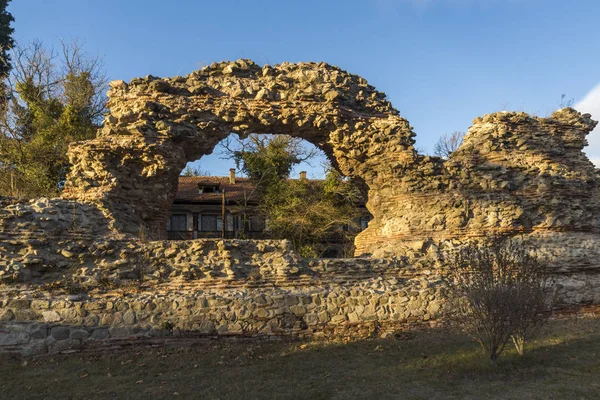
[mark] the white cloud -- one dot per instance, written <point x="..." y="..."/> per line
<point x="591" y="104"/>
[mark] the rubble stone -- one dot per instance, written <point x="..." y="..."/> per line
<point x="94" y="257"/>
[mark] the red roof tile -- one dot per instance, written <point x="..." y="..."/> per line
<point x="188" y="189"/>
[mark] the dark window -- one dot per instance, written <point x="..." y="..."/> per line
<point x="230" y="222"/>
<point x="364" y="222"/>
<point x="179" y="222"/>
<point x="211" y="223"/>
<point x="257" y="224"/>
<point x="237" y="222"/>
<point x="208" y="189"/>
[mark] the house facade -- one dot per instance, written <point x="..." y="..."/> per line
<point x="213" y="207"/>
<point x="222" y="207"/>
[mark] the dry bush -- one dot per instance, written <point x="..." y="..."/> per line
<point x="499" y="292"/>
<point x="448" y="144"/>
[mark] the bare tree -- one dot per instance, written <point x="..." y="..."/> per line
<point x="448" y="144"/>
<point x="72" y="76"/>
<point x="498" y="291"/>
<point x="83" y="79"/>
<point x="194" y="171"/>
<point x="564" y="102"/>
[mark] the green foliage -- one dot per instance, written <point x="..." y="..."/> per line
<point x="311" y="213"/>
<point x="308" y="213"/>
<point x="268" y="159"/>
<point x="52" y="105"/>
<point x="79" y="89"/>
<point x="6" y="40"/>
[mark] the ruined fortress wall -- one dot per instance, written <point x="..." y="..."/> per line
<point x="233" y="287"/>
<point x="156" y="125"/>
<point x="82" y="268"/>
<point x="210" y="287"/>
<point x="515" y="174"/>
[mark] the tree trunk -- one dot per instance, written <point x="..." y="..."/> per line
<point x="519" y="342"/>
<point x="494" y="356"/>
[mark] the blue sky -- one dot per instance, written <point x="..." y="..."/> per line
<point x="441" y="62"/>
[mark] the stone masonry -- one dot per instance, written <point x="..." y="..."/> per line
<point x="126" y="289"/>
<point x="91" y="266"/>
<point x="222" y="288"/>
<point x="157" y="125"/>
<point x="514" y="174"/>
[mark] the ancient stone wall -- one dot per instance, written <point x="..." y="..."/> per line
<point x="85" y="267"/>
<point x="209" y="287"/>
<point x="515" y="174"/>
<point x="122" y="289"/>
<point x="157" y="125"/>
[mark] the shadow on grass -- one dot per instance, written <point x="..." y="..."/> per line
<point x="563" y="363"/>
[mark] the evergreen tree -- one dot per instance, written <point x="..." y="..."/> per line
<point x="6" y="40"/>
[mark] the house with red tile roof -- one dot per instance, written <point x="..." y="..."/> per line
<point x="222" y="207"/>
<point x="213" y="207"/>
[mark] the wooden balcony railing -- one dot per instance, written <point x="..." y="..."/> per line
<point x="189" y="235"/>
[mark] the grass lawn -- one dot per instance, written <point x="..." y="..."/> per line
<point x="564" y="363"/>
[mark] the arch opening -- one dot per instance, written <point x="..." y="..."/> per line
<point x="218" y="198"/>
<point x="158" y="125"/>
<point x="155" y="126"/>
<point x="309" y="157"/>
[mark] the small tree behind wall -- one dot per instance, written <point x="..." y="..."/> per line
<point x="314" y="215"/>
<point x="448" y="144"/>
<point x="311" y="213"/>
<point x="52" y="100"/>
<point x="499" y="293"/>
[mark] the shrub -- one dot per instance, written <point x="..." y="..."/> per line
<point x="499" y="292"/>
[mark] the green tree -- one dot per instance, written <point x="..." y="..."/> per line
<point x="55" y="100"/>
<point x="312" y="214"/>
<point x="6" y="40"/>
<point x="267" y="159"/>
<point x="309" y="213"/>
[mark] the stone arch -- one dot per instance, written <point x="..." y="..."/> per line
<point x="514" y="175"/>
<point x="156" y="126"/>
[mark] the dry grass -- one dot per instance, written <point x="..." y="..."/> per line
<point x="563" y="364"/>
